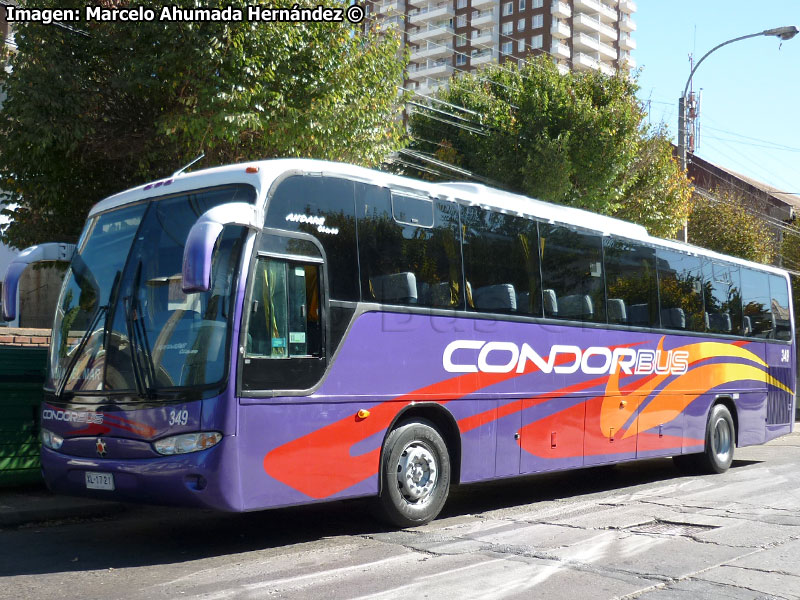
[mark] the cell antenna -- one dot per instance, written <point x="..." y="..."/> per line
<point x="182" y="169"/>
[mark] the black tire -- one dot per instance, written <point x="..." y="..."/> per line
<point x="415" y="474"/>
<point x="720" y="443"/>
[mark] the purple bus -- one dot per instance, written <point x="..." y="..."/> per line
<point x="293" y="331"/>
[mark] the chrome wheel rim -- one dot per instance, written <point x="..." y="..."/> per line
<point x="722" y="440"/>
<point x="417" y="473"/>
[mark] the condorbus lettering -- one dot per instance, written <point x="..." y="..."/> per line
<point x="597" y="369"/>
<point x="484" y="365"/>
<point x="574" y="351"/>
<point x="447" y="357"/>
<point x="505" y="357"/>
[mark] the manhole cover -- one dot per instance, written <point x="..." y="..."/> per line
<point x="671" y="528"/>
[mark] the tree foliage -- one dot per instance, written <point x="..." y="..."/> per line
<point x="576" y="138"/>
<point x="134" y="101"/>
<point x="726" y="222"/>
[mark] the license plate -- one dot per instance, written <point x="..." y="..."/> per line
<point x="99" y="481"/>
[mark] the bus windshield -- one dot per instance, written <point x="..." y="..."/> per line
<point x="123" y="323"/>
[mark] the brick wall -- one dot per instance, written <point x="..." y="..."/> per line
<point x="24" y="337"/>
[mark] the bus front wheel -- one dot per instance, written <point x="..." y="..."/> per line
<point x="415" y="474"/>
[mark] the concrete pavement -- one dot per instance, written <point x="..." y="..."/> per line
<point x="34" y="503"/>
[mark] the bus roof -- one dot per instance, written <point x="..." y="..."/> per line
<point x="262" y="174"/>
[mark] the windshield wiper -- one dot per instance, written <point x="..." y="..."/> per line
<point x="76" y="353"/>
<point x="143" y="374"/>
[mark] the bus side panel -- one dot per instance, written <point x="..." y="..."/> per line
<point x="490" y="379"/>
<point x="305" y="452"/>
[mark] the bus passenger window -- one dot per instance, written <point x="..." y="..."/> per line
<point x="572" y="270"/>
<point x="723" y="300"/>
<point x="680" y="284"/>
<point x="409" y="249"/>
<point x="501" y="262"/>
<point x="631" y="282"/>
<point x="779" y="304"/>
<point x="757" y="319"/>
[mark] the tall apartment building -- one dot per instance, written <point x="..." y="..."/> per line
<point x="448" y="36"/>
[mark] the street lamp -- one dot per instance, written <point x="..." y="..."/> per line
<point x="784" y="33"/>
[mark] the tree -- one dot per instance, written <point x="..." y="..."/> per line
<point x="726" y="221"/>
<point x="134" y="101"/>
<point x="574" y="138"/>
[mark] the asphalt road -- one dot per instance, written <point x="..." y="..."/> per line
<point x="641" y="530"/>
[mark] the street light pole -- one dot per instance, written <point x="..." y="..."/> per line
<point x="784" y="33"/>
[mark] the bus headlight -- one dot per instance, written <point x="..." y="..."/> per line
<point x="51" y="440"/>
<point x="187" y="442"/>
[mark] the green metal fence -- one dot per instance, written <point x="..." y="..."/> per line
<point x="22" y="372"/>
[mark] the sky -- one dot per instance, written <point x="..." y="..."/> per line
<point x="749" y="117"/>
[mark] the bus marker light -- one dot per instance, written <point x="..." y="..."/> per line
<point x="363" y="414"/>
<point x="251" y="170"/>
<point x="623" y="403"/>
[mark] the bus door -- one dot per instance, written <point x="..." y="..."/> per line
<point x="284" y="345"/>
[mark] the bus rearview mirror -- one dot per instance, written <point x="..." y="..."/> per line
<point x="53" y="251"/>
<point x="199" y="249"/>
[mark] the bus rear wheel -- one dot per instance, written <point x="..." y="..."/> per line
<point x="415" y="474"/>
<point x="720" y="442"/>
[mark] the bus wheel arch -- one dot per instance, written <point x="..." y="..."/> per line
<point x="720" y="440"/>
<point x="728" y="402"/>
<point x="445" y="424"/>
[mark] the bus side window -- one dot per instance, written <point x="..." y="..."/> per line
<point x="779" y="305"/>
<point x="409" y="249"/>
<point x="501" y="262"/>
<point x="284" y="311"/>
<point x="572" y="267"/>
<point x="723" y="300"/>
<point x="758" y="320"/>
<point x="631" y="284"/>
<point x="680" y="283"/>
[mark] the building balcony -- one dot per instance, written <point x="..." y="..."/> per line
<point x="485" y="39"/>
<point x="482" y="58"/>
<point x="434" y="50"/>
<point x="606" y="12"/>
<point x="626" y="42"/>
<point x="626" y="61"/>
<point x="485" y="3"/>
<point x="561" y="10"/>
<point x="431" y="32"/>
<point x="487" y="17"/>
<point x="431" y="13"/>
<point x="583" y="22"/>
<point x="391" y="8"/>
<point x="627" y="24"/>
<point x="431" y="69"/>
<point x="583" y="42"/>
<point x="627" y="6"/>
<point x="559" y="50"/>
<point x="606" y="69"/>
<point x="560" y="30"/>
<point x="435" y="69"/>
<point x="582" y="62"/>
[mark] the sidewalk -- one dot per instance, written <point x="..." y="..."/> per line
<point x="34" y="503"/>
